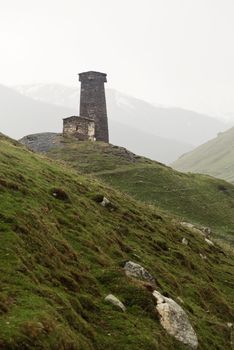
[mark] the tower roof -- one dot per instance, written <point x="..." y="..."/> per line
<point x="75" y="117"/>
<point x="92" y="75"/>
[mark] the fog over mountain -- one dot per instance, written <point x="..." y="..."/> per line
<point x="161" y="133"/>
<point x="167" y="122"/>
<point x="21" y="115"/>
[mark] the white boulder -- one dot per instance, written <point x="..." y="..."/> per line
<point x="135" y="270"/>
<point x="115" y="301"/>
<point x="187" y="224"/>
<point x="185" y="241"/>
<point x="175" y="321"/>
<point x="208" y="241"/>
<point x="105" y="202"/>
<point x="195" y="229"/>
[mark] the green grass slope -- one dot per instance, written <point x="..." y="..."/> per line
<point x="215" y="158"/>
<point x="197" y="198"/>
<point x="62" y="253"/>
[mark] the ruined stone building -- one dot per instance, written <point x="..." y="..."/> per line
<point x="81" y="127"/>
<point x="92" y="124"/>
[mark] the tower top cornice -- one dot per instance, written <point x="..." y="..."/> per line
<point x="92" y="75"/>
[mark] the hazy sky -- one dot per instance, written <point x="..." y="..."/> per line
<point x="173" y="52"/>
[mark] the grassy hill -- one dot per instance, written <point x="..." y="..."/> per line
<point x="215" y="157"/>
<point x="197" y="198"/>
<point x="62" y="253"/>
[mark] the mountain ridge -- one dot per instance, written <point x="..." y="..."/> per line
<point x="214" y="157"/>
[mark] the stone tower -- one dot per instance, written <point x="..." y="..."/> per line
<point x="93" y="102"/>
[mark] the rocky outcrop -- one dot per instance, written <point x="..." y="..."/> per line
<point x="187" y="224"/>
<point x="105" y="202"/>
<point x="208" y="241"/>
<point x="42" y="142"/>
<point x="135" y="270"/>
<point x="204" y="231"/>
<point x="115" y="301"/>
<point x="185" y="241"/>
<point x="175" y="321"/>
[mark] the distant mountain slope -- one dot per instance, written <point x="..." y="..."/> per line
<point x="215" y="157"/>
<point x="195" y="198"/>
<point x="21" y="115"/>
<point x="174" y="130"/>
<point x="171" y="123"/>
<point x="145" y="143"/>
<point x="62" y="253"/>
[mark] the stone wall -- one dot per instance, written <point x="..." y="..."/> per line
<point x="93" y="102"/>
<point x="80" y="127"/>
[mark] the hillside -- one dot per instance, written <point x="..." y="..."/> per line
<point x="215" y="157"/>
<point x="196" y="198"/>
<point x="62" y="252"/>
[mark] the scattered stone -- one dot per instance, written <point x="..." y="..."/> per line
<point x="204" y="257"/>
<point x="115" y="301"/>
<point x="105" y="202"/>
<point x="135" y="270"/>
<point x="192" y="227"/>
<point x="203" y="231"/>
<point x="175" y="321"/>
<point x="185" y="241"/>
<point x="180" y="300"/>
<point x="209" y="242"/>
<point x="198" y="231"/>
<point x="187" y="224"/>
<point x="206" y="231"/>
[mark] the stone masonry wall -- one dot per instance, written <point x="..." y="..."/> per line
<point x="80" y="127"/>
